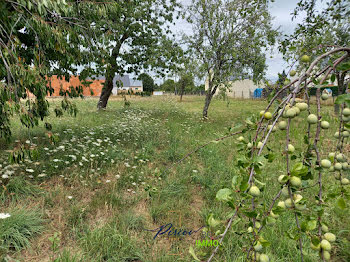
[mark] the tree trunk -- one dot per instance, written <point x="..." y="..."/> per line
<point x="182" y="91"/>
<point x="341" y="89"/>
<point x="209" y="95"/>
<point x="106" y="90"/>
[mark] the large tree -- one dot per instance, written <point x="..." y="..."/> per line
<point x="128" y="36"/>
<point x="34" y="44"/>
<point x="147" y="83"/>
<point x="229" y="39"/>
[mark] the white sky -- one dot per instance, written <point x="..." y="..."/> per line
<point x="281" y="11"/>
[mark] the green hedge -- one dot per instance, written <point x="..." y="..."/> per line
<point x="312" y="91"/>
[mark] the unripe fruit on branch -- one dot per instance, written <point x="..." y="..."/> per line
<point x="312" y="119"/>
<point x="345" y="181"/>
<point x="326" y="255"/>
<point x="241" y="138"/>
<point x="281" y="204"/>
<point x="273" y="215"/>
<point x="318" y="247"/>
<point x="264" y="258"/>
<point x="249" y="145"/>
<point x="288" y="203"/>
<point x="324" y="228"/>
<point x="302" y="106"/>
<point x="336" y="134"/>
<point x="262" y="113"/>
<point x="325" y="245"/>
<point x="340" y="157"/>
<point x="331" y="155"/>
<point x="346" y="118"/>
<point x="292" y="73"/>
<point x="291" y="148"/>
<point x="305" y="59"/>
<point x="326" y="163"/>
<point x="282" y="125"/>
<point x="291" y="113"/>
<point x="330" y="237"/>
<point x="324" y="124"/>
<point x="345" y="133"/>
<point x="346" y="111"/>
<point x="273" y="128"/>
<point x="258" y="247"/>
<point x="267" y="115"/>
<point x="345" y="166"/>
<point x="280" y="179"/>
<point x="257" y="224"/>
<point x="260" y="144"/>
<point x="297" y="198"/>
<point x="254" y="191"/>
<point x="300" y="207"/>
<point x="324" y="96"/>
<point x="295" y="181"/>
<point x="338" y="166"/>
<point x="250" y="229"/>
<point x="297" y="110"/>
<point x="285" y="191"/>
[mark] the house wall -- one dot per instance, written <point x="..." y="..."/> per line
<point x="96" y="86"/>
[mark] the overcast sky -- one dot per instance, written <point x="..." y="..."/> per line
<point x="281" y="11"/>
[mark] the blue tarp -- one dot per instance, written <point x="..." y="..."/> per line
<point x="258" y="93"/>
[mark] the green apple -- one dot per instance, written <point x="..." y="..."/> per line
<point x="291" y="113"/>
<point x="241" y="138"/>
<point x="331" y="155"/>
<point x="326" y="163"/>
<point x="300" y="207"/>
<point x="257" y="224"/>
<point x="312" y="119"/>
<point x="260" y="144"/>
<point x="282" y="125"/>
<point x="250" y="229"/>
<point x="337" y="176"/>
<point x="326" y="255"/>
<point x="338" y="166"/>
<point x="273" y="129"/>
<point x="297" y="110"/>
<point x="291" y="148"/>
<point x="274" y="215"/>
<point x="297" y="198"/>
<point x="325" y="245"/>
<point x="324" y="124"/>
<point x="295" y="181"/>
<point x="345" y="181"/>
<point x="324" y="228"/>
<point x="249" y="145"/>
<point x="346" y="111"/>
<point x="345" y="133"/>
<point x="345" y="166"/>
<point x="281" y="204"/>
<point x="346" y="118"/>
<point x="305" y="59"/>
<point x="288" y="203"/>
<point x="340" y="157"/>
<point x="254" y="191"/>
<point x="285" y="191"/>
<point x="330" y="237"/>
<point x="318" y="247"/>
<point x="331" y="169"/>
<point x="302" y="106"/>
<point x="280" y="179"/>
<point x="264" y="258"/>
<point x="324" y="96"/>
<point x="258" y="247"/>
<point x="262" y="113"/>
<point x="292" y="73"/>
<point x="336" y="134"/>
<point x="268" y="115"/>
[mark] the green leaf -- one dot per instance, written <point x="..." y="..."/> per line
<point x="341" y="203"/>
<point x="264" y="242"/>
<point x="212" y="222"/>
<point x="193" y="254"/>
<point x="224" y="194"/>
<point x="342" y="99"/>
<point x="234" y="181"/>
<point x="333" y="77"/>
<point x="315" y="241"/>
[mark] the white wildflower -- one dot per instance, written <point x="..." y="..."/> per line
<point x="69" y="197"/>
<point x="4" y="215"/>
<point x="29" y="170"/>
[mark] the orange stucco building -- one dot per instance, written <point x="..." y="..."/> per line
<point x="94" y="89"/>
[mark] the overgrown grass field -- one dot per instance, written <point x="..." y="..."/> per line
<point x="110" y="176"/>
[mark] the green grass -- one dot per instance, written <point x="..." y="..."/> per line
<point x="112" y="167"/>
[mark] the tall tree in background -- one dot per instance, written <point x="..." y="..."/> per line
<point x="320" y="31"/>
<point x="229" y="38"/>
<point x="147" y="83"/>
<point x="128" y="36"/>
